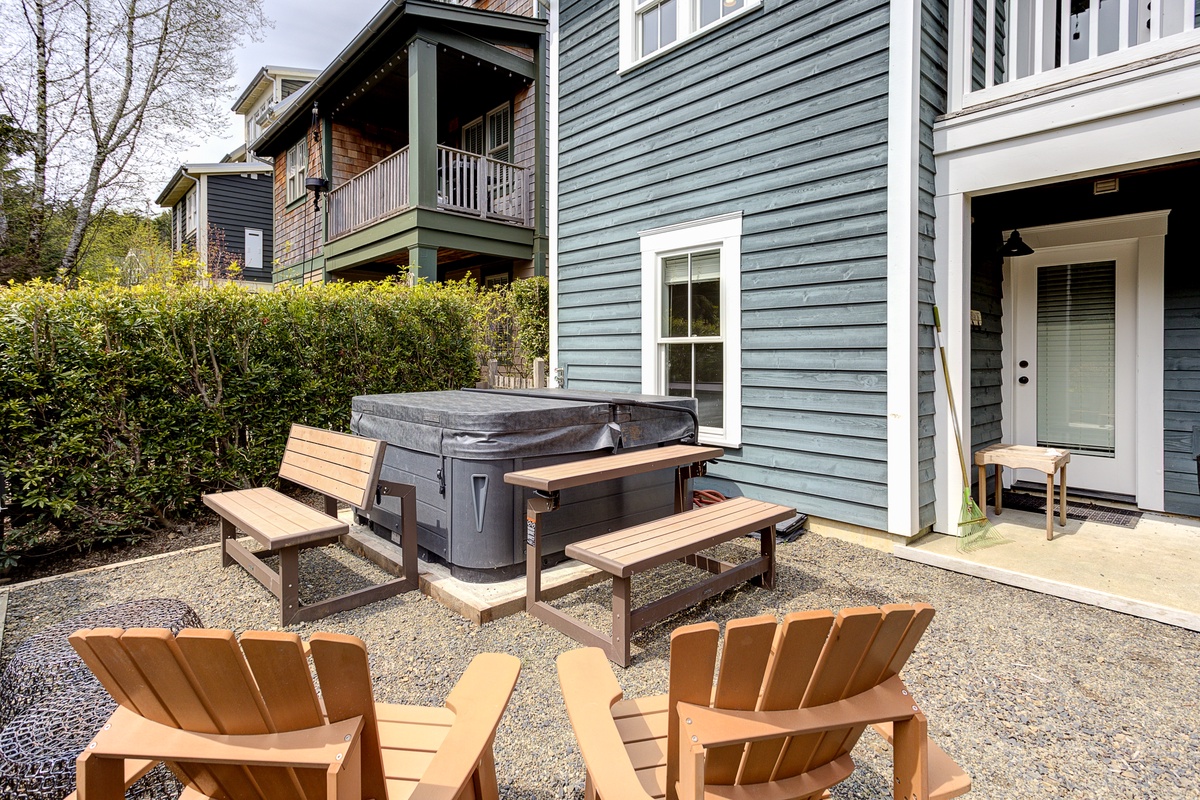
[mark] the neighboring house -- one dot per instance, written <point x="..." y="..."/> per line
<point x="422" y="137"/>
<point x="758" y="202"/>
<point x="223" y="212"/>
<point x="265" y="97"/>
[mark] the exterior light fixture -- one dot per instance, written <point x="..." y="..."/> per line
<point x="1014" y="246"/>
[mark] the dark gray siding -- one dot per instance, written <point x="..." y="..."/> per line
<point x="290" y="86"/>
<point x="237" y="202"/>
<point x="781" y="115"/>
<point x="933" y="103"/>
<point x="987" y="346"/>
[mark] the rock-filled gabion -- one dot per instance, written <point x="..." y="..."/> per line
<point x="46" y="661"/>
<point x="51" y="705"/>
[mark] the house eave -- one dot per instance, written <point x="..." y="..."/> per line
<point x="511" y="27"/>
<point x="177" y="187"/>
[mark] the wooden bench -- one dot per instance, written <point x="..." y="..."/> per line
<point x="625" y="553"/>
<point x="1016" y="456"/>
<point x="339" y="466"/>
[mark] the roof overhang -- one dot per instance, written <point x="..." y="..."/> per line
<point x="264" y="79"/>
<point x="179" y="186"/>
<point x="398" y="21"/>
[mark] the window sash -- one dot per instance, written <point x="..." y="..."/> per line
<point x="297" y="168"/>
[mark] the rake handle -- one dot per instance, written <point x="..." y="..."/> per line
<point x="962" y="459"/>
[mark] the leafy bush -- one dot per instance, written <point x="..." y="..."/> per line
<point x="513" y="323"/>
<point x="120" y="406"/>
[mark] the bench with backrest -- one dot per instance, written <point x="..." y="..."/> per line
<point x="625" y="553"/>
<point x="339" y="466"/>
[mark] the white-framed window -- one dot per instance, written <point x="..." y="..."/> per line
<point x="691" y="320"/>
<point x="499" y="133"/>
<point x="191" y="210"/>
<point x="651" y="27"/>
<point x="297" y="169"/>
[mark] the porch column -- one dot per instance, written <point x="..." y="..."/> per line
<point x="422" y="263"/>
<point x="422" y="123"/>
<point x="541" y="242"/>
<point x="952" y="288"/>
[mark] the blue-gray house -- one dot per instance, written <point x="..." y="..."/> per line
<point x="759" y="202"/>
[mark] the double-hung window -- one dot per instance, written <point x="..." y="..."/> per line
<point x="650" y="26"/>
<point x="691" y="320"/>
<point x="297" y="170"/>
<point x="191" y="209"/>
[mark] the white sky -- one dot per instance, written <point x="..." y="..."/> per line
<point x="307" y="33"/>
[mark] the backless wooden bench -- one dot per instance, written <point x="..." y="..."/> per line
<point x="341" y="467"/>
<point x="1018" y="456"/>
<point x="625" y="553"/>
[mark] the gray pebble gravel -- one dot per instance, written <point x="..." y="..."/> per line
<point x="1033" y="695"/>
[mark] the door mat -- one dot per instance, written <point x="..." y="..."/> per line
<point x="1083" y="512"/>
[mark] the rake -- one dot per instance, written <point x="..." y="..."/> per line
<point x="974" y="530"/>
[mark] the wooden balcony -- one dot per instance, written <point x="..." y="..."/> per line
<point x="1009" y="48"/>
<point x="467" y="184"/>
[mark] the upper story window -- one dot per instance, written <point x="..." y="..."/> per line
<point x="490" y="136"/>
<point x="652" y="26"/>
<point x="297" y="169"/>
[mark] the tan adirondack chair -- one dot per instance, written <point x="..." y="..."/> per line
<point x="248" y="722"/>
<point x="790" y="702"/>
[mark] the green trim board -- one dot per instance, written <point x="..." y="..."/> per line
<point x="484" y="51"/>
<point x="422" y="227"/>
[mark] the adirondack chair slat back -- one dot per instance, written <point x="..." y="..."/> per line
<point x="811" y="659"/>
<point x="204" y="681"/>
<point x="338" y="465"/>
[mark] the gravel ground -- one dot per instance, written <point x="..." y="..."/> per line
<point x="1034" y="696"/>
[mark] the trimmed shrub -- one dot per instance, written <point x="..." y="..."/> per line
<point x="119" y="407"/>
<point x="512" y="323"/>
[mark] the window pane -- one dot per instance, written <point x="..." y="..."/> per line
<point x="1077" y="345"/>
<point x="710" y="384"/>
<point x="710" y="11"/>
<point x="675" y="296"/>
<point x="667" y="23"/>
<point x="729" y="6"/>
<point x="679" y="370"/>
<point x="649" y="31"/>
<point x="706" y="294"/>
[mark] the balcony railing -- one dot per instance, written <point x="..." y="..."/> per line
<point x="466" y="184"/>
<point x="1011" y="46"/>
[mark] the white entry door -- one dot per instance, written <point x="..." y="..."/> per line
<point x="1073" y="371"/>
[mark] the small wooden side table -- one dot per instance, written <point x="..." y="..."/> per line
<point x="1018" y="456"/>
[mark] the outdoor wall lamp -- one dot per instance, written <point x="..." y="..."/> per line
<point x="1014" y="246"/>
<point x="316" y="186"/>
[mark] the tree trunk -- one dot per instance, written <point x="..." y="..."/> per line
<point x="37" y="206"/>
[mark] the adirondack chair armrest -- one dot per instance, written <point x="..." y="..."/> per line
<point x="715" y="727"/>
<point x="590" y="689"/>
<point x="478" y="701"/>
<point x="946" y="778"/>
<point x="129" y="736"/>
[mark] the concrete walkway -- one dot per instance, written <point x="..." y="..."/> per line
<point x="1149" y="571"/>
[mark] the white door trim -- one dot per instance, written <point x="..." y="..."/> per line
<point x="1148" y="230"/>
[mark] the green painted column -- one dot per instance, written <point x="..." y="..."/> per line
<point x="541" y="169"/>
<point x="422" y="123"/>
<point x="422" y="263"/>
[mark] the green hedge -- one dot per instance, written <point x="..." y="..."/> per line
<point x="119" y="407"/>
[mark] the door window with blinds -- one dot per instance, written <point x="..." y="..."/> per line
<point x="691" y="332"/>
<point x="490" y="135"/>
<point x="1076" y="351"/>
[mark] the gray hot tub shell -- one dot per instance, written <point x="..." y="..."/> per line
<point x="456" y="447"/>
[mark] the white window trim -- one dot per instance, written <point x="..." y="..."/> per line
<point x="628" y="57"/>
<point x="191" y="210"/>
<point x="490" y="147"/>
<point x="289" y="173"/>
<point x="724" y="233"/>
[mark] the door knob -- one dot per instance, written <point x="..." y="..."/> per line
<point x="1023" y="380"/>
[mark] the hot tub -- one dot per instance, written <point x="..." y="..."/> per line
<point x="456" y="447"/>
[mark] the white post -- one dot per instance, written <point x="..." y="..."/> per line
<point x="902" y="238"/>
<point x="952" y="290"/>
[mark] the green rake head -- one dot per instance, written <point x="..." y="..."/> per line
<point x="975" y="532"/>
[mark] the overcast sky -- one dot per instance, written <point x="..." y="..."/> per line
<point x="307" y="33"/>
